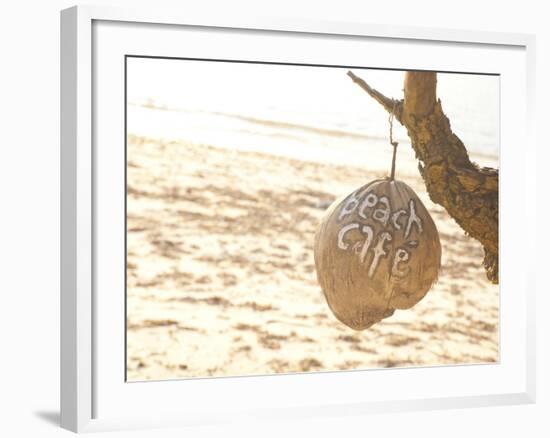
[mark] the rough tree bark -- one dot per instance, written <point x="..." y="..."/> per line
<point x="468" y="193"/>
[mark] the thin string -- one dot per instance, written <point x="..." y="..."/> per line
<point x="393" y="143"/>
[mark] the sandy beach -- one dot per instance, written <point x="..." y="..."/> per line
<point x="221" y="279"/>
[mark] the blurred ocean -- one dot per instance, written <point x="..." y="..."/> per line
<point x="308" y="113"/>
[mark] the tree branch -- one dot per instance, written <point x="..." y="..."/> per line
<point x="467" y="192"/>
<point x="389" y="104"/>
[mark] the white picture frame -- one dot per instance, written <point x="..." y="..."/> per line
<point x="92" y="392"/>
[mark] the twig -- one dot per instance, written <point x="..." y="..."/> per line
<point x="390" y="105"/>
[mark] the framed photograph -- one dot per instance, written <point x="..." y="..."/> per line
<point x="284" y="218"/>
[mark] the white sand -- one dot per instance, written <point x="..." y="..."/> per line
<point x="221" y="279"/>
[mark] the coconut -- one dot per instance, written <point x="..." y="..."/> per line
<point x="376" y="250"/>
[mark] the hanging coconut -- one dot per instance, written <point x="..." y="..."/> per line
<point x="376" y="250"/>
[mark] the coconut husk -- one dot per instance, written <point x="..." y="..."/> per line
<point x="376" y="250"/>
